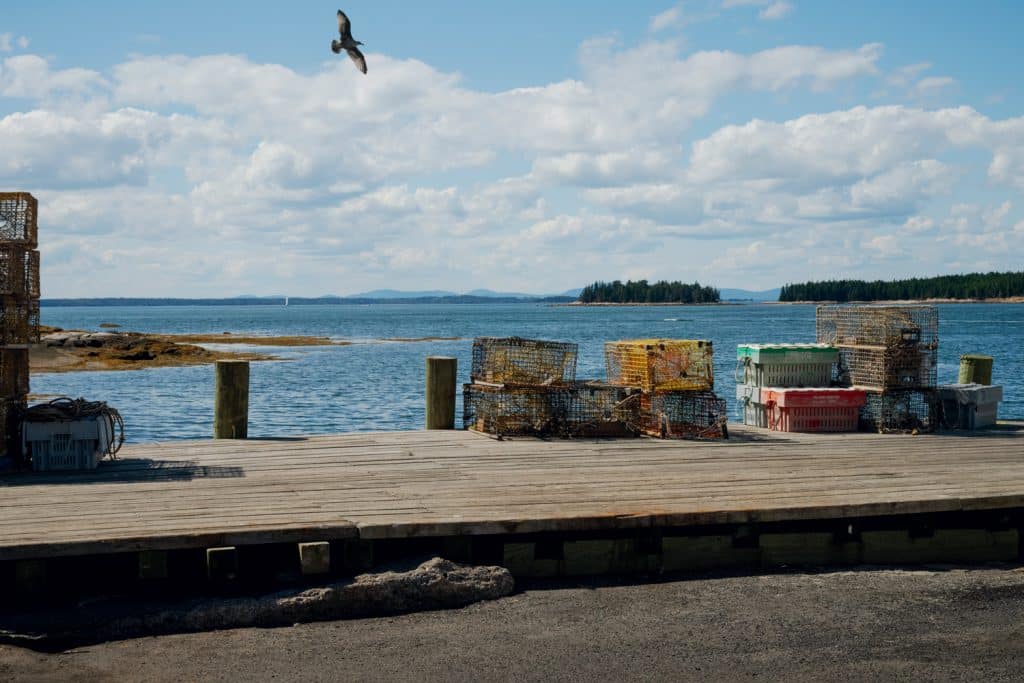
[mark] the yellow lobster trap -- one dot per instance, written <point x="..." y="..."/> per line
<point x="660" y="364"/>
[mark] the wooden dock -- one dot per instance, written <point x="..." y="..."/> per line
<point x="455" y="484"/>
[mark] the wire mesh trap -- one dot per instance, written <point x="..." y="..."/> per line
<point x="884" y="326"/>
<point x="18" y="213"/>
<point x="14" y="372"/>
<point x="514" y="360"/>
<point x="883" y="347"/>
<point x="660" y="364"/>
<point x="583" y="409"/>
<point x="900" y="411"/>
<point x="19" y="320"/>
<point x="906" y="366"/>
<point x="683" y="415"/>
<point x="19" y="271"/>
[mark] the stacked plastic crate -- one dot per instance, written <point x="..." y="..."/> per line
<point x="892" y="353"/>
<point x="787" y="388"/>
<point x="19" y="307"/>
<point x="674" y="381"/>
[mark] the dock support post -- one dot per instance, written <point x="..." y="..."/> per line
<point x="975" y="369"/>
<point x="231" y="400"/>
<point x="441" y="392"/>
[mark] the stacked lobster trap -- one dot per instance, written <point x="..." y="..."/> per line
<point x="19" y="308"/>
<point x="674" y="380"/>
<point x="788" y="388"/>
<point x="891" y="352"/>
<point x="528" y="387"/>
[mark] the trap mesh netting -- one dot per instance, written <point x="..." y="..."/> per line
<point x="19" y="320"/>
<point x="652" y="364"/>
<point x="877" y="325"/>
<point x="580" y="409"/>
<point x="683" y="414"/>
<point x="591" y="409"/>
<point x="883" y="347"/>
<point x="900" y="411"/>
<point x="514" y="360"/>
<point x="19" y="271"/>
<point x="18" y="212"/>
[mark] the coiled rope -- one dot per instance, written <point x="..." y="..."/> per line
<point x="65" y="408"/>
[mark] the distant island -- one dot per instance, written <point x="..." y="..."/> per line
<point x="970" y="286"/>
<point x="642" y="292"/>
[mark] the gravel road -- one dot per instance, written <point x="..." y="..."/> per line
<point x="951" y="624"/>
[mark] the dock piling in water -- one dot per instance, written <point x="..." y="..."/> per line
<point x="231" y="400"/>
<point x="441" y="392"/>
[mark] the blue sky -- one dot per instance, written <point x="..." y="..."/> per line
<point x="211" y="149"/>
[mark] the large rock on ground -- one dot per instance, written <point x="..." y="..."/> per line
<point x="434" y="584"/>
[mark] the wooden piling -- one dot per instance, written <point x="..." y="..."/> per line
<point x="441" y="392"/>
<point x="231" y="400"/>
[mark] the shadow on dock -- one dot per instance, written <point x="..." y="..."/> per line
<point x="128" y="471"/>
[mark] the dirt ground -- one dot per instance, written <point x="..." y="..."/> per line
<point x="949" y="624"/>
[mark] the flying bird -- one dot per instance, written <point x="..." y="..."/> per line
<point x="347" y="43"/>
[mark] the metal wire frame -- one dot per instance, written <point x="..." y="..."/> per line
<point x="684" y="415"/>
<point x="19" y="271"/>
<point x="19" y="320"/>
<point x="14" y="372"/>
<point x="909" y="366"/>
<point x="514" y="360"/>
<point x="583" y="409"/>
<point x="906" y="410"/>
<point x="885" y="326"/>
<point x="18" y="219"/>
<point x="660" y="364"/>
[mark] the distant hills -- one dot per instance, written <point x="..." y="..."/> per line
<point x="728" y="294"/>
<point x="483" y="293"/>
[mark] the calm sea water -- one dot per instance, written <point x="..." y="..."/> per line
<point x="378" y="385"/>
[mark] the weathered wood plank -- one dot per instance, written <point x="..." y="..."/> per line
<point x="410" y="484"/>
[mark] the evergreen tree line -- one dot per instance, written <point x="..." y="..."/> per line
<point x="642" y="292"/>
<point x="970" y="286"/>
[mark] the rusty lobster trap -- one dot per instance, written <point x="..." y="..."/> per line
<point x="14" y="371"/>
<point x="683" y="415"/>
<point x="580" y="409"/>
<point x="660" y="364"/>
<point x="19" y="271"/>
<point x="883" y="348"/>
<point x="514" y="360"/>
<point x="18" y="216"/>
<point x="901" y="410"/>
<point x="19" y="320"/>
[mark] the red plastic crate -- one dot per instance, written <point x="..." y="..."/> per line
<point x="824" y="397"/>
<point x="813" y="410"/>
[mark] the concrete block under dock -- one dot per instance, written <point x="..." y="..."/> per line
<point x="276" y="508"/>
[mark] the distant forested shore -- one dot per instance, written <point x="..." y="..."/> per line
<point x="642" y="292"/>
<point x="969" y="286"/>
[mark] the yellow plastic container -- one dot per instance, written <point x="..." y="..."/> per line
<point x="660" y="364"/>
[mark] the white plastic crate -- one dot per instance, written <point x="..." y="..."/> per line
<point x="970" y="406"/>
<point x="749" y="407"/>
<point x="67" y="444"/>
<point x="788" y="353"/>
<point x="785" y="374"/>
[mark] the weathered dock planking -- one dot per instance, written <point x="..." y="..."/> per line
<point x="397" y="485"/>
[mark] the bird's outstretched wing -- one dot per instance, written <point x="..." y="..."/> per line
<point x="335" y="46"/>
<point x="344" y="25"/>
<point x="358" y="58"/>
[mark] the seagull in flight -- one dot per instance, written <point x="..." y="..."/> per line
<point x="347" y="43"/>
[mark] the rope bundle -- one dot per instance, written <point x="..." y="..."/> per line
<point x="66" y="408"/>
